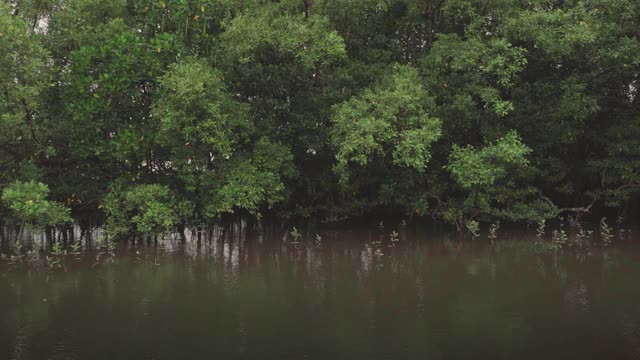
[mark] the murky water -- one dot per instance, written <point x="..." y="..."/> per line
<point x="347" y="296"/>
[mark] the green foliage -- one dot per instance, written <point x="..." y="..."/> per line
<point x="489" y="177"/>
<point x="391" y="122"/>
<point x="540" y="230"/>
<point x="28" y="204"/>
<point x="493" y="230"/>
<point x="606" y="232"/>
<point x="142" y="209"/>
<point x="107" y="89"/>
<point x="209" y="137"/>
<point x="250" y="183"/>
<point x="475" y="67"/>
<point x="473" y="227"/>
<point x="285" y="67"/>
<point x="196" y="116"/>
<point x="459" y="110"/>
<point x="23" y="75"/>
<point x="471" y="167"/>
<point x="309" y="44"/>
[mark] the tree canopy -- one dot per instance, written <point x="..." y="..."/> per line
<point x="157" y="114"/>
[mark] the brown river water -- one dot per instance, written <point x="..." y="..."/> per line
<point x="347" y="295"/>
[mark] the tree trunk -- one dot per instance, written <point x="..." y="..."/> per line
<point x="72" y="234"/>
<point x="20" y="233"/>
<point x="65" y="236"/>
<point x="183" y="237"/>
<point x="2" y="241"/>
<point x="307" y="7"/>
<point x="48" y="233"/>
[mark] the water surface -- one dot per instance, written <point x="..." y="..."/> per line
<point x="352" y="295"/>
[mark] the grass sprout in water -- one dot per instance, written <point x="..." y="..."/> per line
<point x="540" y="230"/>
<point x="473" y="227"/>
<point x="55" y="261"/>
<point x="493" y="231"/>
<point x="606" y="233"/>
<point x="296" y="236"/>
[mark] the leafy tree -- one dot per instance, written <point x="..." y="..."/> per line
<point x="23" y="75"/>
<point x="252" y="182"/>
<point x="286" y="66"/>
<point x="462" y="110"/>
<point x="99" y="105"/>
<point x="212" y="149"/>
<point x="583" y="60"/>
<point x="387" y="129"/>
<point x="197" y="118"/>
<point x="493" y="180"/>
<point x="390" y="121"/>
<point x="142" y="209"/>
<point x="28" y="205"/>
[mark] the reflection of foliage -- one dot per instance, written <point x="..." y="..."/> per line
<point x="523" y="248"/>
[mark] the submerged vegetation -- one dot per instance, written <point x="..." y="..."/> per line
<point x="151" y="116"/>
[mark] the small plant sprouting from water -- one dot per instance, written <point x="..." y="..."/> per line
<point x="19" y="255"/>
<point x="474" y="228"/>
<point x="493" y="231"/>
<point x="559" y="237"/>
<point x="16" y="255"/>
<point x="582" y="233"/>
<point x="394" y="237"/>
<point x="318" y="239"/>
<point x="75" y="249"/>
<point x="295" y="235"/>
<point x="622" y="232"/>
<point x="106" y="250"/>
<point x="583" y="237"/>
<point x="55" y="261"/>
<point x="542" y="224"/>
<point x="606" y="232"/>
